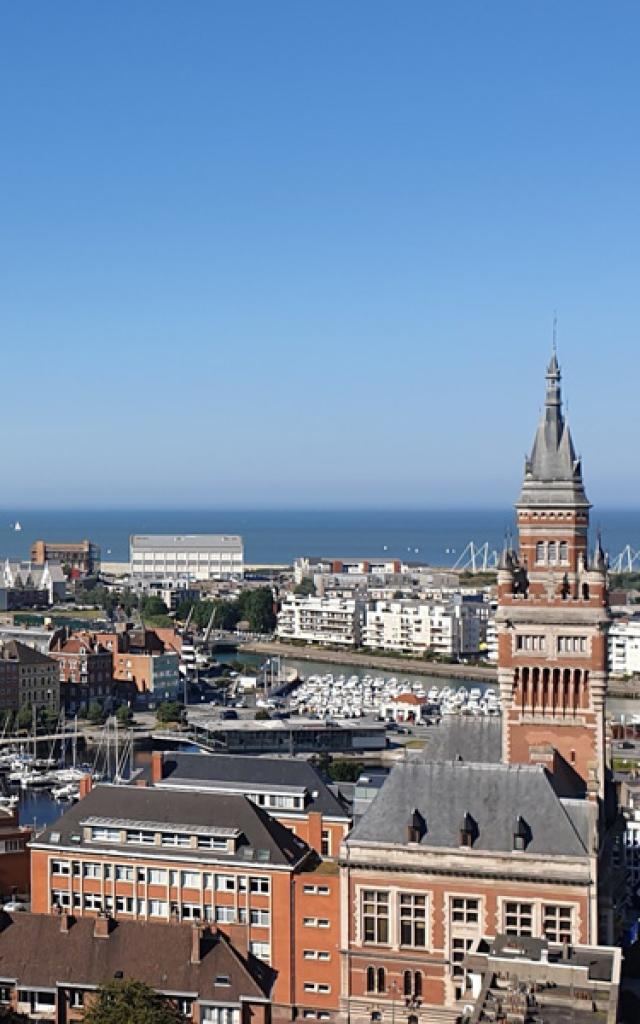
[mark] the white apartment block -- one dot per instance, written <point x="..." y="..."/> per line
<point x="624" y="647"/>
<point x="322" y="620"/>
<point x="413" y="626"/>
<point x="199" y="556"/>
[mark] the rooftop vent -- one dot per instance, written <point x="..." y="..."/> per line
<point x="468" y="830"/>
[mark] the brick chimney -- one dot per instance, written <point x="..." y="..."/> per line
<point x="546" y="755"/>
<point x="157" y="766"/>
<point x="102" y="926"/>
<point x="66" y="920"/>
<point x="315" y="831"/>
<point x="195" y="944"/>
<point x="86" y="784"/>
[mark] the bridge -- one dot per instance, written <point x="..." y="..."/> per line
<point x="483" y="558"/>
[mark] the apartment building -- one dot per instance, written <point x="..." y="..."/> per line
<point x="146" y="660"/>
<point x="82" y="558"/>
<point x="38" y="680"/>
<point x="445" y="853"/>
<point x="15" y="861"/>
<point x="194" y="556"/>
<point x="197" y="968"/>
<point x="624" y="646"/>
<point x="86" y="671"/>
<point x="322" y="620"/>
<point x="411" y="627"/>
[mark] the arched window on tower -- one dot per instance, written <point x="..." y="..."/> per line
<point x="371" y="979"/>
<point x="540" y="552"/>
<point x="564" y="552"/>
<point x="382" y="979"/>
<point x="407" y="986"/>
<point x="585" y="591"/>
<point x="553" y="552"/>
<point x="417" y="984"/>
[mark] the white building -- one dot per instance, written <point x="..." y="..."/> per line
<point x="447" y="628"/>
<point x="199" y="556"/>
<point x="322" y="620"/>
<point x="624" y="647"/>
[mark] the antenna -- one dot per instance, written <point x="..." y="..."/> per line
<point x="555" y="332"/>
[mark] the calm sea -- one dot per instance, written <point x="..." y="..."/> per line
<point x="435" y="536"/>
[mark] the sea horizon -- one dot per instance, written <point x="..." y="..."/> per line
<point x="434" y="535"/>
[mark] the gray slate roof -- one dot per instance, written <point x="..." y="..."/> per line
<point x="217" y="772"/>
<point x="494" y="795"/>
<point x="553" y="474"/>
<point x="140" y="804"/>
<point x="467" y="739"/>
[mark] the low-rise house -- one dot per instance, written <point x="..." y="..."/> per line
<point x="197" y="969"/>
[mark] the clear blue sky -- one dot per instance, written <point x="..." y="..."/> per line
<point x="294" y="253"/>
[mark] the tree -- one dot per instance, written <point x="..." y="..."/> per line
<point x="170" y="711"/>
<point x="152" y="606"/>
<point x="342" y="770"/>
<point x="130" y="1002"/>
<point x="96" y="713"/>
<point x="24" y="717"/>
<point x="305" y="587"/>
<point x="124" y="714"/>
<point x="262" y="715"/>
<point x="256" y="606"/>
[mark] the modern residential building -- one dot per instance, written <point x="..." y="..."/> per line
<point x="412" y="627"/>
<point x="38" y="680"/>
<point x="205" y="556"/>
<point x="81" y="558"/>
<point x="86" y="671"/>
<point x="624" y="646"/>
<point x="196" y="968"/>
<point x="147" y="659"/>
<point x="322" y="620"/>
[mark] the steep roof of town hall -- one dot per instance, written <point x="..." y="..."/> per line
<point x="492" y="797"/>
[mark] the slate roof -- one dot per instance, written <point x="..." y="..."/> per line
<point x="467" y="739"/>
<point x="494" y="795"/>
<point x="553" y="473"/>
<point x="13" y="650"/>
<point x="271" y="842"/>
<point x="220" y="772"/>
<point x="157" y="954"/>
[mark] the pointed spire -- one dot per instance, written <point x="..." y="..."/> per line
<point x="552" y="471"/>
<point x="600" y="560"/>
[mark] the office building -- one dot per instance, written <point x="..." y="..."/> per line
<point x="79" y="558"/>
<point x="204" y="556"/>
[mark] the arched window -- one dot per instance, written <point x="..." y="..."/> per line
<point x="407" y="983"/>
<point x="553" y="552"/>
<point x="382" y="979"/>
<point x="585" y="591"/>
<point x="412" y="1019"/>
<point x="564" y="552"/>
<point x="540" y="551"/>
<point x="371" y="979"/>
<point x="417" y="984"/>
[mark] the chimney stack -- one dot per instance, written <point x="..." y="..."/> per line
<point x="102" y="926"/>
<point x="157" y="767"/>
<point x="195" y="944"/>
<point x="86" y="785"/>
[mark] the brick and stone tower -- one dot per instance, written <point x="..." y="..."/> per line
<point x="553" y="614"/>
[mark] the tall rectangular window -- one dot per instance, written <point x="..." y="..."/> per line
<point x="375" y="916"/>
<point x="413" y="920"/>
<point x="557" y="923"/>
